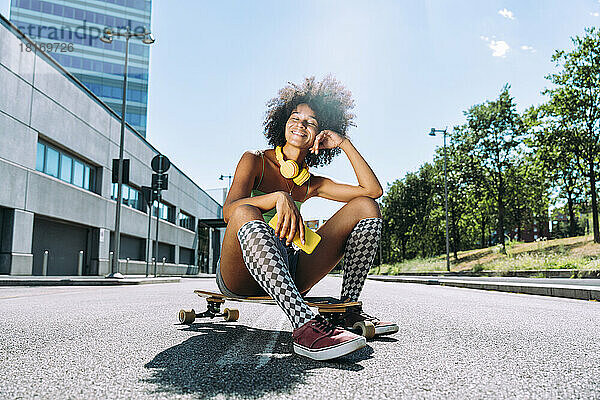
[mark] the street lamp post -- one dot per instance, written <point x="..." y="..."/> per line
<point x="107" y="37"/>
<point x="432" y="133"/>
<point x="228" y="183"/>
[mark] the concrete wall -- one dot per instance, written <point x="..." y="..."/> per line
<point x="38" y="101"/>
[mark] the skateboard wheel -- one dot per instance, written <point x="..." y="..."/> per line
<point x="187" y="316"/>
<point x="366" y="328"/>
<point x="231" y="314"/>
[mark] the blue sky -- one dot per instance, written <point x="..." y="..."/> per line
<point x="410" y="66"/>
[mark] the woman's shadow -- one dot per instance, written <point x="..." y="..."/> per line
<point x="237" y="360"/>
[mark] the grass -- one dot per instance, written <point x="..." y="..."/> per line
<point x="569" y="253"/>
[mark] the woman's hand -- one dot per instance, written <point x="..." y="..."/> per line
<point x="289" y="220"/>
<point x="326" y="140"/>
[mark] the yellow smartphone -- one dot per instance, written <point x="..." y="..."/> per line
<point x="311" y="239"/>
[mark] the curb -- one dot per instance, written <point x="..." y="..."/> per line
<point x="518" y="273"/>
<point x="58" y="281"/>
<point x="540" y="289"/>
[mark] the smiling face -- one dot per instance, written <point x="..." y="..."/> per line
<point x="302" y="127"/>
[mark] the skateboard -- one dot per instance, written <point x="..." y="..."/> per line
<point x="328" y="307"/>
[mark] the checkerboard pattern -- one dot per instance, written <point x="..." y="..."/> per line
<point x="359" y="254"/>
<point x="267" y="265"/>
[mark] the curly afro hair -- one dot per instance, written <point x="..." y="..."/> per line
<point x="329" y="99"/>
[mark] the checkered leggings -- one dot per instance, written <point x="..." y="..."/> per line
<point x="359" y="254"/>
<point x="267" y="265"/>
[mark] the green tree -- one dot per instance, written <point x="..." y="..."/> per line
<point x="396" y="222"/>
<point x="459" y="191"/>
<point x="411" y="227"/>
<point x="575" y="102"/>
<point x="495" y="130"/>
<point x="555" y="153"/>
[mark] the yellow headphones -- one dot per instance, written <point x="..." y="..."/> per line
<point x="290" y="170"/>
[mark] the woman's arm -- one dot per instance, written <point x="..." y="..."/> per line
<point x="368" y="184"/>
<point x="245" y="175"/>
<point x="290" y="220"/>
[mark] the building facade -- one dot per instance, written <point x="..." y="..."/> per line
<point x="97" y="65"/>
<point x="57" y="207"/>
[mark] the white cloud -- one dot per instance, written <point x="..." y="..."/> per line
<point x="595" y="14"/>
<point x="527" y="48"/>
<point x="506" y="13"/>
<point x="499" y="47"/>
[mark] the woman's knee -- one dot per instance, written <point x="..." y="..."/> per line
<point x="365" y="207"/>
<point x="244" y="213"/>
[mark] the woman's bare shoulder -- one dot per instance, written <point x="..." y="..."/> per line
<point x="252" y="156"/>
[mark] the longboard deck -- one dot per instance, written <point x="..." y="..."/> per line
<point x="330" y="308"/>
<point x="318" y="302"/>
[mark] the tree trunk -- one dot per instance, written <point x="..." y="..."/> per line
<point x="594" y="203"/>
<point x="483" y="244"/>
<point x="572" y="226"/>
<point x="403" y="248"/>
<point x="501" y="211"/>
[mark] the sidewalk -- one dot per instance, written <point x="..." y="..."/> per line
<point x="8" y="280"/>
<point x="582" y="289"/>
<point x="520" y="273"/>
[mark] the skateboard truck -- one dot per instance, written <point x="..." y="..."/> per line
<point x="213" y="309"/>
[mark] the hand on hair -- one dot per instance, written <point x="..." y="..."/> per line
<point x="326" y="139"/>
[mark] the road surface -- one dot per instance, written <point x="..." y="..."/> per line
<point x="125" y="342"/>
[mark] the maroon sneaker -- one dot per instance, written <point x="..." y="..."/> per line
<point x="320" y="340"/>
<point x="356" y="314"/>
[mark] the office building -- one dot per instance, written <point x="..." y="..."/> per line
<point x="73" y="28"/>
<point x="57" y="199"/>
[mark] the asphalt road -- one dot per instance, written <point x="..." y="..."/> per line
<point x="125" y="342"/>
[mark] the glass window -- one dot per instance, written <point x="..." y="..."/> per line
<point x="66" y="163"/>
<point x="78" y="173"/>
<point x="52" y="162"/>
<point x="186" y="221"/>
<point x="164" y="212"/>
<point x="86" y="178"/>
<point x="76" y="62"/>
<point x="68" y="12"/>
<point x="129" y="197"/>
<point x="88" y="16"/>
<point x="134" y="199"/>
<point x="125" y="195"/>
<point x="93" y="179"/>
<point x="65" y="167"/>
<point x="46" y="7"/>
<point x="58" y="10"/>
<point x="39" y="162"/>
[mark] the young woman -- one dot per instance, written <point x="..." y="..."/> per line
<point x="305" y="124"/>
